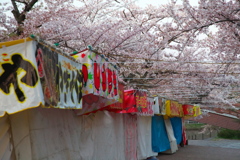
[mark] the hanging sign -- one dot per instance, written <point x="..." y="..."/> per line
<point x="47" y="63"/>
<point x="20" y="87"/>
<point x="173" y="108"/>
<point x="61" y="79"/>
<point x="100" y="77"/>
<point x="70" y="83"/>
<point x="162" y="105"/>
<point x="100" y="83"/>
<point x="149" y="110"/>
<point x="116" y="107"/>
<point x="197" y="111"/>
<point x="188" y="110"/>
<point x="156" y="106"/>
<point x="135" y="101"/>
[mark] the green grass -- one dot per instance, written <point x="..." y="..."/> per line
<point x="229" y="134"/>
<point x="194" y="126"/>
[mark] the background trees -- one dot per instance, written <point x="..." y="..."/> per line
<point x="183" y="52"/>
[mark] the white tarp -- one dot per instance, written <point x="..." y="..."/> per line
<point x="144" y="131"/>
<point x="57" y="134"/>
<point x="171" y="137"/>
<point x="102" y="136"/>
<point x="6" y="146"/>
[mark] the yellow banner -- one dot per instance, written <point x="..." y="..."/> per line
<point x="197" y="111"/>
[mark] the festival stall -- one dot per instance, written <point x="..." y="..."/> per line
<point x="43" y="89"/>
<point x="35" y="74"/>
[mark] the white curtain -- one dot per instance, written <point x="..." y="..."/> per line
<point x="171" y="137"/>
<point x="144" y="131"/>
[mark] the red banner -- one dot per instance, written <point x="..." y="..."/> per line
<point x="188" y="110"/>
<point x="134" y="101"/>
<point x="117" y="107"/>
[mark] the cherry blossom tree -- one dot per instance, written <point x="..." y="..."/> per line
<point x="179" y="51"/>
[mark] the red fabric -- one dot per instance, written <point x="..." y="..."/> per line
<point x="130" y="128"/>
<point x="188" y="110"/>
<point x="129" y="105"/>
<point x="134" y="101"/>
<point x="184" y="135"/>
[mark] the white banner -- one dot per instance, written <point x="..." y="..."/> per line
<point x="20" y="87"/>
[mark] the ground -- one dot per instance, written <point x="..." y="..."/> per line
<point x="210" y="149"/>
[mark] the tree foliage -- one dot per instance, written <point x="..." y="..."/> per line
<point x="183" y="52"/>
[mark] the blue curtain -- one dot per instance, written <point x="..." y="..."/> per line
<point x="177" y="128"/>
<point x="160" y="141"/>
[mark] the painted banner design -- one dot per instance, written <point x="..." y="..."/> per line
<point x="100" y="83"/>
<point x="188" y="110"/>
<point x="173" y="109"/>
<point x="162" y="105"/>
<point x="19" y="82"/>
<point x="117" y="107"/>
<point x="156" y="107"/>
<point x="47" y="61"/>
<point x="149" y="110"/>
<point x="87" y="70"/>
<point x="61" y="79"/>
<point x="100" y="76"/>
<point x="70" y="83"/>
<point x="197" y="111"/>
<point x="135" y="101"/>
